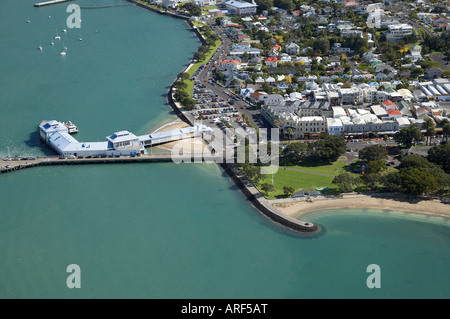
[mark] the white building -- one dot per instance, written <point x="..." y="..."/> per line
<point x="335" y="126"/>
<point x="241" y="7"/>
<point x="350" y="96"/>
<point x="170" y="3"/>
<point x="397" y="32"/>
<point x="204" y="3"/>
<point x="292" y="48"/>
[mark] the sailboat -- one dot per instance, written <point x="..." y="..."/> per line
<point x="64" y="50"/>
<point x="40" y="47"/>
<point x="57" y="37"/>
<point x="80" y="38"/>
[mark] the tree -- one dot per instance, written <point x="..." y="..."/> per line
<point x="408" y="136"/>
<point x="264" y="5"/>
<point x="328" y="150"/>
<point x="445" y="128"/>
<point x="373" y="153"/>
<point x="418" y="182"/>
<point x="440" y="155"/>
<point x="415" y="161"/>
<point x="385" y="139"/>
<point x="192" y="8"/>
<point x="188" y="103"/>
<point x="199" y="56"/>
<point x="253" y="172"/>
<point x="346" y="182"/>
<point x="180" y="95"/>
<point x="218" y="20"/>
<point x="371" y="180"/>
<point x="417" y="72"/>
<point x="183" y="76"/>
<point x="322" y="44"/>
<point x="430" y="129"/>
<point x="267" y="188"/>
<point x="284" y="4"/>
<point x="290" y="133"/>
<point x="180" y="85"/>
<point x="288" y="190"/>
<point x="393" y="181"/>
<point x="376" y="166"/>
<point x="295" y="152"/>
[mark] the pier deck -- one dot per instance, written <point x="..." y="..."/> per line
<point x="48" y="3"/>
<point x="18" y="164"/>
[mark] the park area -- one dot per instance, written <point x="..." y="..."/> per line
<point x="306" y="177"/>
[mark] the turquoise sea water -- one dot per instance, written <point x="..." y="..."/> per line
<point x="163" y="230"/>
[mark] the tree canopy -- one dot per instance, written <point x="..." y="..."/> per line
<point x="373" y="153"/>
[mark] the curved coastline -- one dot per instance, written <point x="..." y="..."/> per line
<point x="401" y="203"/>
<point x="240" y="180"/>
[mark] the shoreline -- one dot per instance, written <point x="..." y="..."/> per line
<point x="425" y="207"/>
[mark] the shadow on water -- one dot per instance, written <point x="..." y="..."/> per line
<point x="34" y="142"/>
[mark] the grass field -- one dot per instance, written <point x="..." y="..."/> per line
<point x="295" y="180"/>
<point x="191" y="71"/>
<point x="331" y="169"/>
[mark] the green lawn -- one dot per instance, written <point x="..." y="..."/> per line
<point x="295" y="180"/>
<point x="209" y="8"/>
<point x="330" y="169"/>
<point x="191" y="71"/>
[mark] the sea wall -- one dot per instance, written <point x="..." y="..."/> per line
<point x="260" y="203"/>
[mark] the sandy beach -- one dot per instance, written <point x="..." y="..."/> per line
<point x="430" y="207"/>
<point x="196" y="143"/>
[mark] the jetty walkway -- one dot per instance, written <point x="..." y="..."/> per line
<point x="17" y="163"/>
<point x="48" y="3"/>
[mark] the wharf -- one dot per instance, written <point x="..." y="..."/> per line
<point x="48" y="3"/>
<point x="15" y="164"/>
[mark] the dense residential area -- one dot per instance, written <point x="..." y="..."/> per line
<point x="336" y="77"/>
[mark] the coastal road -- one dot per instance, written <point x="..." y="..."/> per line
<point x="205" y="78"/>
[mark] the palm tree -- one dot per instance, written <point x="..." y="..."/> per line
<point x="430" y="130"/>
<point x="385" y="139"/>
<point x="276" y="123"/>
<point x="290" y="133"/>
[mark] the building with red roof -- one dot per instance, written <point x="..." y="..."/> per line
<point x="388" y="105"/>
<point x="272" y="61"/>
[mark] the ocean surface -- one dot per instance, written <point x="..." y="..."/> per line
<point x="163" y="230"/>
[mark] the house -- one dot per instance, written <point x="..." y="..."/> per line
<point x="272" y="61"/>
<point x="393" y="114"/>
<point x="433" y="73"/>
<point x="379" y="111"/>
<point x="388" y="105"/>
<point x="292" y="48"/>
<point x="351" y="33"/>
<point x="271" y="99"/>
<point x="204" y="3"/>
<point x="259" y="80"/>
<point x="396" y="32"/>
<point x="279" y="10"/>
<point x="285" y="58"/>
<point x="170" y="3"/>
<point x="380" y="76"/>
<point x="233" y="65"/>
<point x="257" y="96"/>
<point x="351" y="96"/>
<point x="270" y="80"/>
<point x="241" y="7"/>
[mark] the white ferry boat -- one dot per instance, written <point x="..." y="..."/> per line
<point x="71" y="127"/>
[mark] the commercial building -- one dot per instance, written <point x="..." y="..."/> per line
<point x="241" y="7"/>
